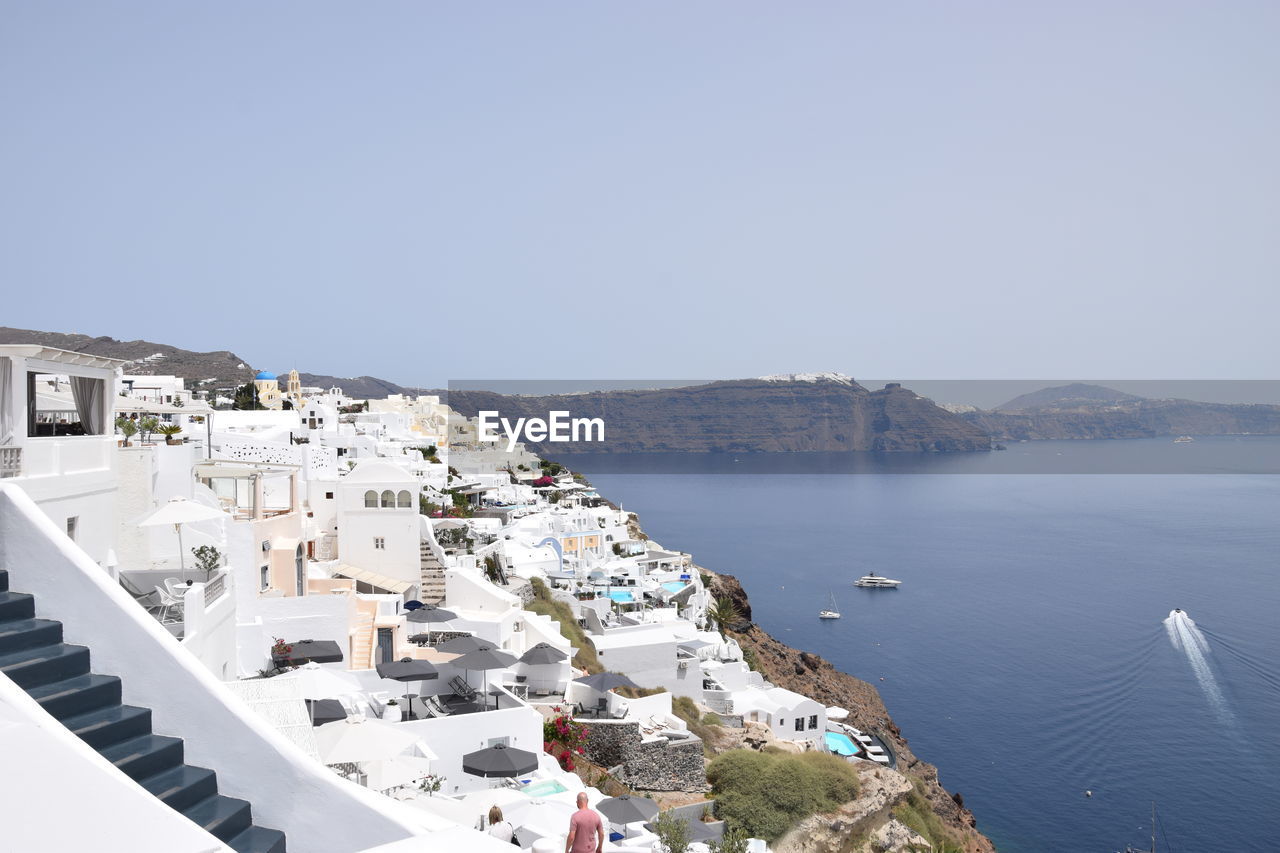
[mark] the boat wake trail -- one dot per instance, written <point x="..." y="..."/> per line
<point x="1186" y="638"/>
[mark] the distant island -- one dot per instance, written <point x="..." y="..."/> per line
<point x="1082" y="411"/>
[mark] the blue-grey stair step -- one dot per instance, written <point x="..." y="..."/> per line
<point x="33" y="667"/>
<point x="112" y="724"/>
<point x="222" y="817"/>
<point x="77" y="694"/>
<point x="16" y="605"/>
<point x="183" y="786"/>
<point x="144" y="756"/>
<point x="29" y="634"/>
<point x="258" y="839"/>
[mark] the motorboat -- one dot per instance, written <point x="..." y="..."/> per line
<point x="877" y="582"/>
<point x="1183" y="439"/>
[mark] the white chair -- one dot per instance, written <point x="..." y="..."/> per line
<point x="171" y="602"/>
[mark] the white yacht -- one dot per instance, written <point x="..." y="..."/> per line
<point x="876" y="581"/>
<point x="832" y="612"/>
<point x="1183" y="439"/>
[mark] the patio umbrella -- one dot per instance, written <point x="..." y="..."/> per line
<point x="538" y="818"/>
<point x="317" y="682"/>
<point x="306" y="651"/>
<point x="627" y="809"/>
<point x="406" y="670"/>
<point x="430" y="614"/>
<point x="603" y="681"/>
<point x="543" y="653"/>
<point x="388" y="773"/>
<point x="357" y="739"/>
<point x="325" y="711"/>
<point x="462" y="645"/>
<point x="180" y="511"/>
<point x="499" y="761"/>
<point x="484" y="660"/>
<point x="697" y="830"/>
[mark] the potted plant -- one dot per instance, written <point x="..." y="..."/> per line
<point x="169" y="431"/>
<point x="128" y="429"/>
<point x="391" y="713"/>
<point x="147" y="426"/>
<point x="208" y="559"/>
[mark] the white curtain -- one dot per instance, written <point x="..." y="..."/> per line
<point x="88" y="396"/>
<point x="6" y="405"/>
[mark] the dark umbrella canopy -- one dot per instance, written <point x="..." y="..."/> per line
<point x="603" y="681"/>
<point x="499" y="761"/>
<point x="487" y="658"/>
<point x="543" y="653"/>
<point x="325" y="711"/>
<point x="320" y="651"/>
<point x="431" y="614"/>
<point x="408" y="669"/>
<point x="627" y="809"/>
<point x="462" y="645"/>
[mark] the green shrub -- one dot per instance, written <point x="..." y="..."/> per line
<point x="766" y="794"/>
<point x="559" y="611"/>
<point x="916" y="813"/>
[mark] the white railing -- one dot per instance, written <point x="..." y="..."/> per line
<point x="10" y="462"/>
<point x="215" y="588"/>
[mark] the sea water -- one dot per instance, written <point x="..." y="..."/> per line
<point x="1032" y="652"/>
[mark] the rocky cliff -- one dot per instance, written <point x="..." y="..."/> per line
<point x="744" y="416"/>
<point x="813" y="676"/>
<point x="1081" y="411"/>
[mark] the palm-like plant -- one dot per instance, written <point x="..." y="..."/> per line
<point x="724" y="613"/>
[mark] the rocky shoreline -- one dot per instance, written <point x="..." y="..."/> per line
<point x="811" y="675"/>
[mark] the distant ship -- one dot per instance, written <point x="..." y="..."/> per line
<point x="876" y="581"/>
<point x="1183" y="439"/>
<point x="832" y="612"/>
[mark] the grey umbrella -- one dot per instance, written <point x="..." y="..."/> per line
<point x="698" y="831"/>
<point x="543" y="653"/>
<point x="462" y="645"/>
<point x="484" y="660"/>
<point x="499" y="761"/>
<point x="430" y="614"/>
<point x="603" y="681"/>
<point x="627" y="809"/>
<point x="408" y="669"/>
<point x="325" y="711"/>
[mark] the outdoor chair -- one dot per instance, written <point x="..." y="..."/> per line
<point x="149" y="600"/>
<point x="602" y="708"/>
<point x="170" y="606"/>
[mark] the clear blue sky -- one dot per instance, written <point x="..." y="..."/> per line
<point x="425" y="191"/>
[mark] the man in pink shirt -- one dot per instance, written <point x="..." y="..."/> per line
<point x="586" y="832"/>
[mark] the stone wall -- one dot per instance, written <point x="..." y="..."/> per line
<point x="656" y="765"/>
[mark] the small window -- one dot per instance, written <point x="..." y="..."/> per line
<point x="371" y="498"/>
<point x="799" y="724"/>
<point x="72" y="524"/>
<point x="379" y="543"/>
<point x="389" y="499"/>
<point x="500" y="741"/>
<point x="813" y="721"/>
<point x="328" y="496"/>
<point x="404" y="500"/>
<point x="265" y="571"/>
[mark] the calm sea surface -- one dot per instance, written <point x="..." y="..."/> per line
<point x="1030" y="652"/>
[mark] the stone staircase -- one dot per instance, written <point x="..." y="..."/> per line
<point x="57" y="676"/>
<point x="362" y="642"/>
<point x="432" y="587"/>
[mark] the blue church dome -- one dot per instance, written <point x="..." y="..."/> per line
<point x="265" y="374"/>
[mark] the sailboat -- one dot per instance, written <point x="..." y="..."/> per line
<point x="831" y="612"/>
<point x="1131" y="849"/>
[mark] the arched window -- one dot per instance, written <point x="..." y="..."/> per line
<point x="404" y="499"/>
<point x="371" y="498"/>
<point x="389" y="499"/>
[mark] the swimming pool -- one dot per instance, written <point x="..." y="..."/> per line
<point x="622" y="596"/>
<point x="674" y="586"/>
<point x="544" y="789"/>
<point x="840" y="744"/>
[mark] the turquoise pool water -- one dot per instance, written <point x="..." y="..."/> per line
<point x="622" y="596"/>
<point x="840" y="744"/>
<point x="674" y="586"/>
<point x="543" y="789"/>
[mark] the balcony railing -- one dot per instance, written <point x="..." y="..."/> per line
<point x="215" y="588"/>
<point x="10" y="462"/>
